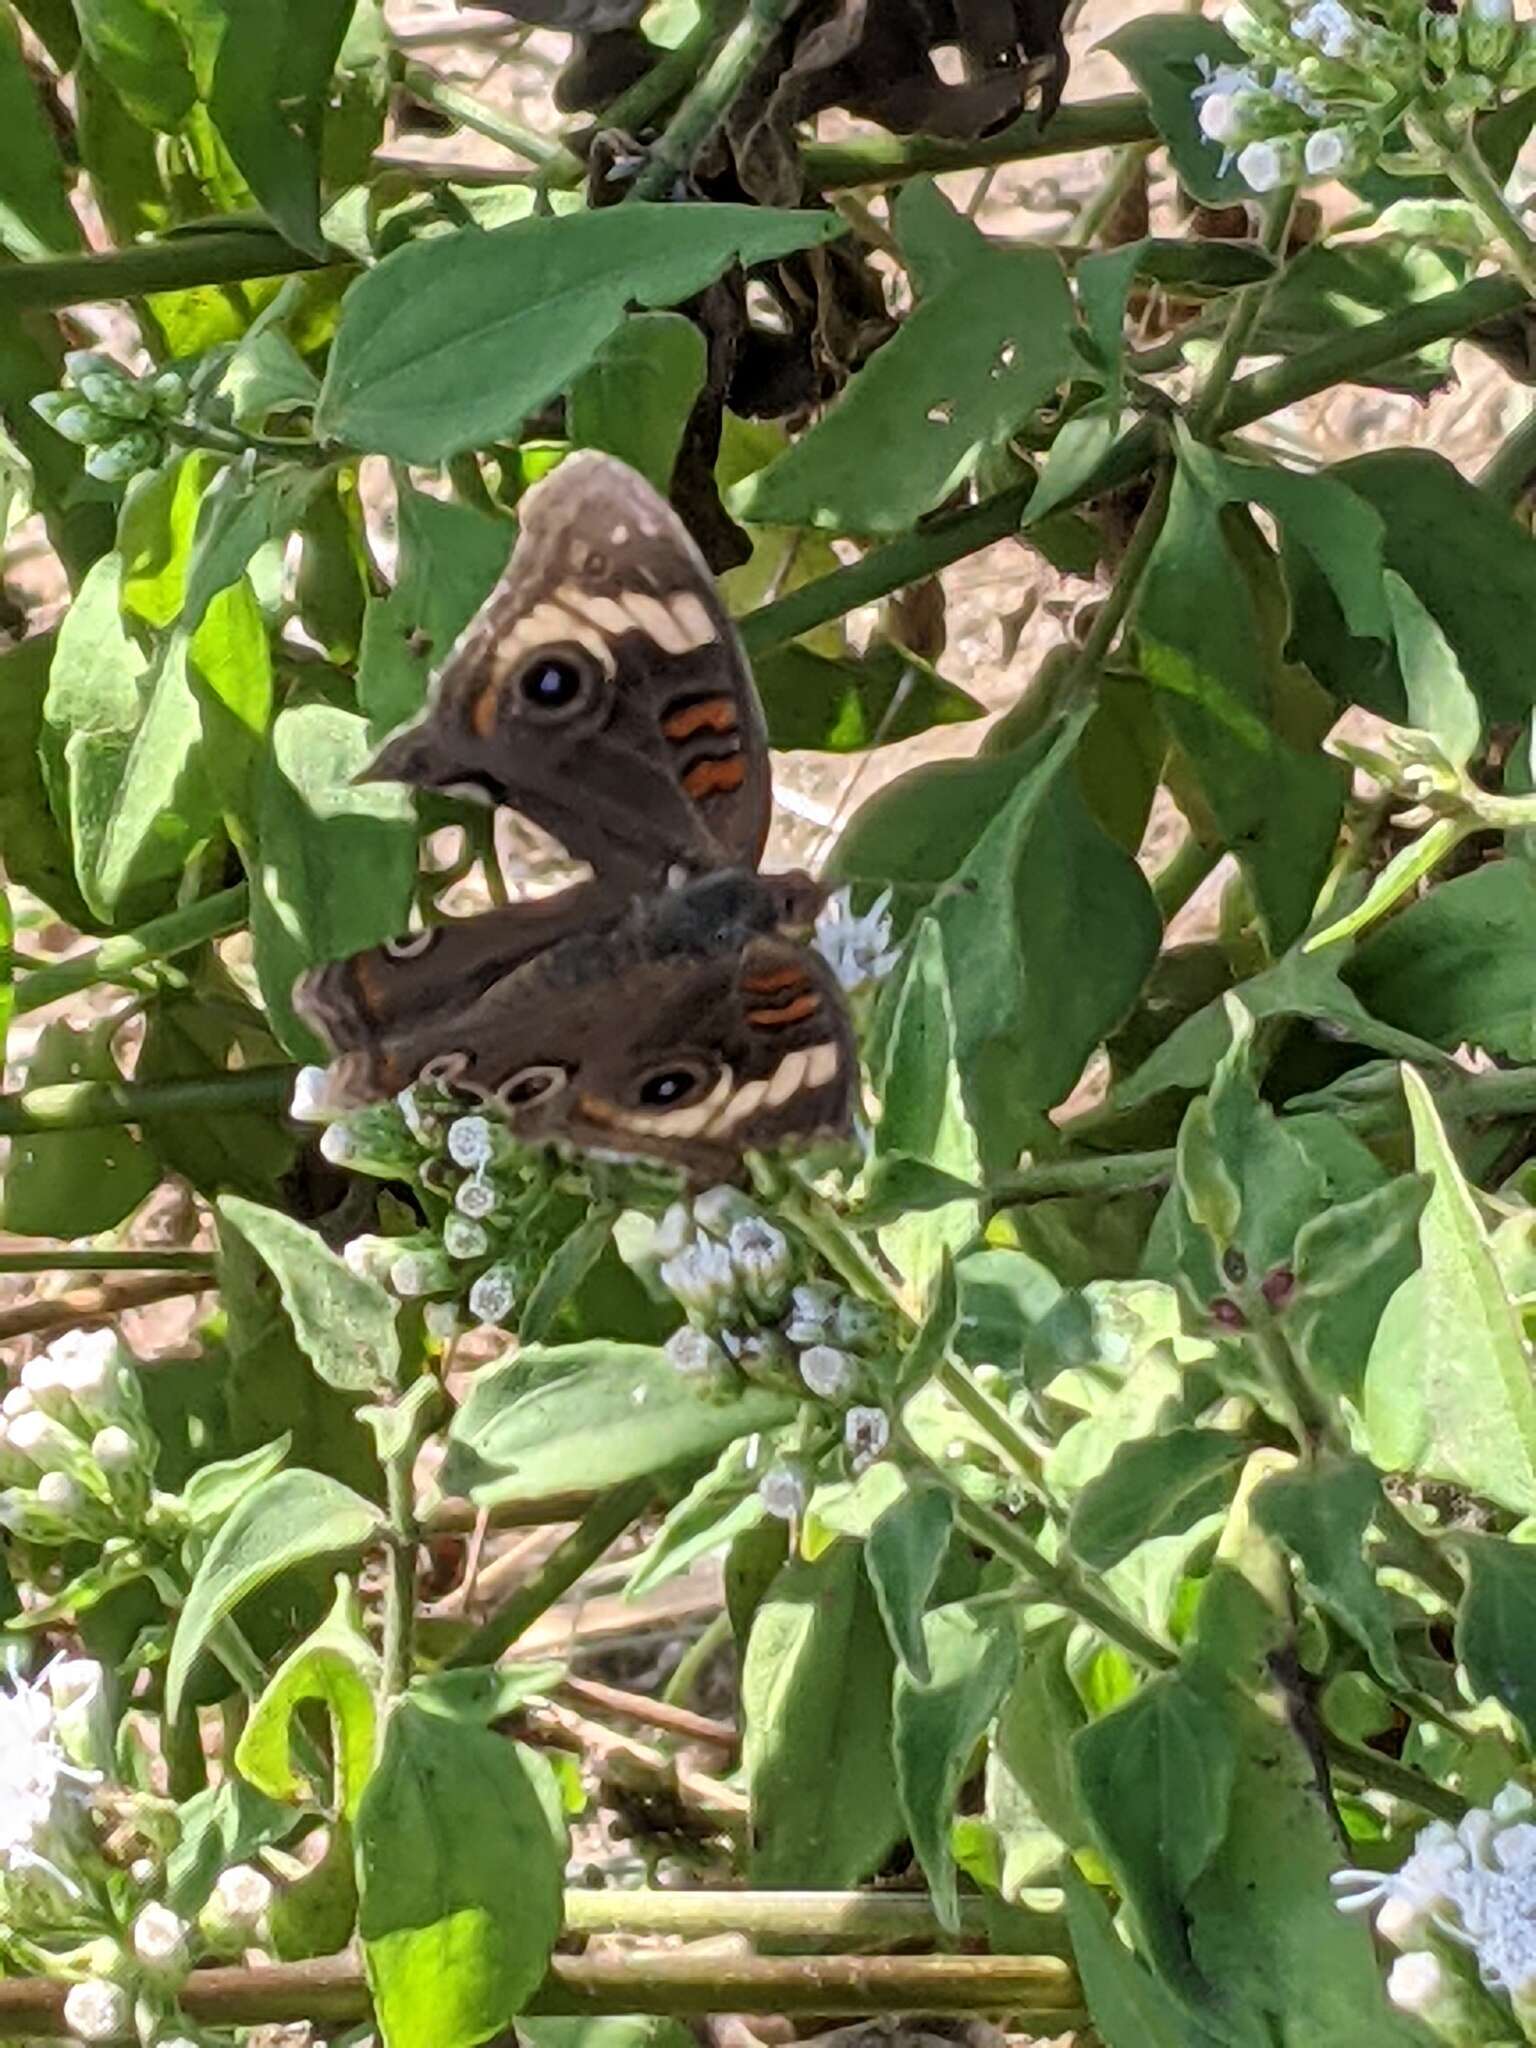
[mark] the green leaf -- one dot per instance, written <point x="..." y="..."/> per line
<point x="451" y="342"/>
<point x="1332" y="288"/>
<point x="140" y="51"/>
<point x="1350" y="1261"/>
<point x="1154" y="1781"/>
<point x="1496" y="1625"/>
<point x="74" y="1183"/>
<point x="1029" y="1773"/>
<point x="844" y="706"/>
<point x="450" y="557"/>
<point x="583" y="1417"/>
<point x="904" y="1553"/>
<point x="155" y="533"/>
<point x="37" y="854"/>
<point x="715" y="1510"/>
<point x="1160" y="53"/>
<point x="214" y="1491"/>
<point x="268" y="96"/>
<point x="1321" y="1513"/>
<point x="1448" y="1391"/>
<point x="980" y="353"/>
<point x="1453" y="966"/>
<point x="317" y="1914"/>
<point x="1440" y="700"/>
<point x="1046" y="931"/>
<point x="314" y="824"/>
<point x="634" y="398"/>
<point x="1470" y="566"/>
<point x="240" y="512"/>
<point x="1209" y="627"/>
<point x="816" y="1697"/>
<point x="225" y="1825"/>
<point x="1004" y="1294"/>
<point x="36" y="218"/>
<point x="1128" y="2006"/>
<point x="936" y="1725"/>
<point x="337" y="1667"/>
<point x="563" y="1274"/>
<point x="291" y="1519"/>
<point x="344" y="1322"/>
<point x="458" y="1878"/>
<point x="1158" y="1486"/>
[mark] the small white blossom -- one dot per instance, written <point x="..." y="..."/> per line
<point x="421" y="1127"/>
<point x="828" y="1372"/>
<point x="493" y="1296"/>
<point x="783" y="1491"/>
<point x="475" y="1199"/>
<point x="762" y="1261"/>
<point x="413" y="1274"/>
<point x="719" y="1209"/>
<point x="89" y="1365"/>
<point x="695" y="1354"/>
<point x="38" y="1437"/>
<point x="1416" y="1982"/>
<point x="244" y="1892"/>
<point x="866" y="1432"/>
<point x="463" y="1238"/>
<point x="311" y="1102"/>
<point x="160" y="1941"/>
<point x="440" y="1320"/>
<point x="1330" y="27"/>
<point x="1285" y="85"/>
<point x="47" y="1383"/>
<point x="97" y="2010"/>
<point x="42" y="1794"/>
<point x="60" y="1495"/>
<point x="82" y="1711"/>
<point x="703" y="1279"/>
<point x="471" y="1142"/>
<point x="813" y="1305"/>
<point x="17" y="1401"/>
<point x="858" y="949"/>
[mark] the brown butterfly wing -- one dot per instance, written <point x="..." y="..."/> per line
<point x="683" y="1029"/>
<point x="389" y="1011"/>
<point x="601" y="689"/>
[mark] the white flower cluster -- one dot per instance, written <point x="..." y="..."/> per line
<point x="76" y="1452"/>
<point x="1466" y="1896"/>
<point x="735" y="1275"/>
<point x="46" y="1783"/>
<point x="1327" y="80"/>
<point x="858" y="949"/>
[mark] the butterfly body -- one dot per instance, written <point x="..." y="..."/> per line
<point x="668" y="1008"/>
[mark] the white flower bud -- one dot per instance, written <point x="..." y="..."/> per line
<point x="471" y="1142"/>
<point x="1488" y="34"/>
<point x="416" y="1273"/>
<point x="119" y="397"/>
<point x="80" y="363"/>
<point x="235" y="1914"/>
<point x="1269" y="166"/>
<point x="423" y="1127"/>
<point x="82" y="1711"/>
<point x="91" y="1368"/>
<point x="115" y="461"/>
<point x="697" y="1356"/>
<point x="463" y="1238"/>
<point x="441" y="1321"/>
<point x="866" y="1432"/>
<point x="115" y="1450"/>
<point x="38" y="1437"/>
<point x="97" y="2010"/>
<point x="160" y="1942"/>
<point x="762" y="1261"/>
<point x="493" y="1296"/>
<point x="703" y="1280"/>
<point x="338" y="1145"/>
<point x="674" y="1233"/>
<point x="813" y="1306"/>
<point x="1416" y="1982"/>
<point x="828" y="1372"/>
<point x="476" y="1198"/>
<point x="784" y="1491"/>
<point x="1330" y="27"/>
<point x="169" y="391"/>
<point x="59" y="1494"/>
<point x="17" y="1401"/>
<point x="310" y="1102"/>
<point x="48" y="1385"/>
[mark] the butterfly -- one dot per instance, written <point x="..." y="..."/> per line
<point x="669" y="1008"/>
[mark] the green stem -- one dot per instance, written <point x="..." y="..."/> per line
<point x="564" y="166"/>
<point x="92" y="1105"/>
<point x="991" y="1418"/>
<point x="164" y="937"/>
<point x="1381" y="1774"/>
<point x="1511" y="470"/>
<point x="783" y="1916"/>
<point x="1463" y="164"/>
<point x="60" y="1260"/>
<point x="234" y="443"/>
<point x="1354" y="355"/>
<point x="1116" y="608"/>
<point x="690" y="1666"/>
<point x="1246" y="311"/>
<point x="1419" y="1553"/>
<point x="180" y="262"/>
<point x="604" y="1525"/>
<point x="1191" y="862"/>
<point x="1111" y="194"/>
<point x="400" y="1581"/>
<point x="1115" y="1173"/>
<point x="886" y="159"/>
<point x="666" y="81"/>
<point x="1266" y="1338"/>
<point x="702" y="112"/>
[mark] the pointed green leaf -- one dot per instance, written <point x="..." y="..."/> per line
<point x="345" y="1322"/>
